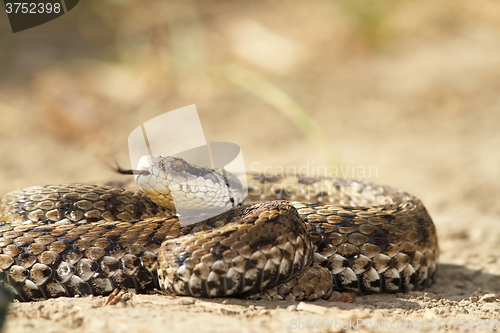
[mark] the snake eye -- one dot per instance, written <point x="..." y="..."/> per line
<point x="178" y="165"/>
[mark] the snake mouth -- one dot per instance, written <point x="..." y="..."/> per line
<point x="132" y="171"/>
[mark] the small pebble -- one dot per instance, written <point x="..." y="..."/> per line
<point x="302" y="306"/>
<point x="490" y="298"/>
<point x="187" y="301"/>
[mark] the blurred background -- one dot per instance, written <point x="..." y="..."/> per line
<point x="411" y="88"/>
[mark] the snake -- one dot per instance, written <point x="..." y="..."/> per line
<point x="291" y="238"/>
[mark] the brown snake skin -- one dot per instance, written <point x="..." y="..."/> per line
<point x="319" y="235"/>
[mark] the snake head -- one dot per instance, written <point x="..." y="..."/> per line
<point x="185" y="188"/>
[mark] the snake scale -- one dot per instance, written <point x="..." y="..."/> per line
<point x="291" y="238"/>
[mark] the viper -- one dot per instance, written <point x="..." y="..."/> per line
<point x="290" y="238"/>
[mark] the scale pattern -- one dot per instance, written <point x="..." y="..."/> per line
<point x="296" y="238"/>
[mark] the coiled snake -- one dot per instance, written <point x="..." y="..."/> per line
<point x="292" y="238"/>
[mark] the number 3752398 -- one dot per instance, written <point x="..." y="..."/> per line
<point x="32" y="8"/>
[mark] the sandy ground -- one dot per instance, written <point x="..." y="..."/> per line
<point x="409" y="89"/>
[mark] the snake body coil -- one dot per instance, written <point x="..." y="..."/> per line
<point x="293" y="238"/>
